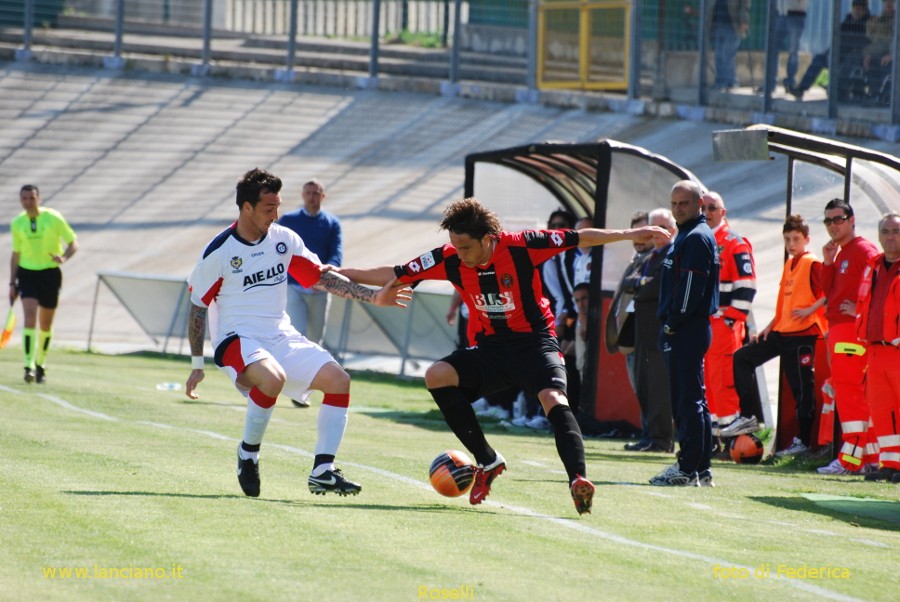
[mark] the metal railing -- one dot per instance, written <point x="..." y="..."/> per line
<point x="664" y="50"/>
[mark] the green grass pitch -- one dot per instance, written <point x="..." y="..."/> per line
<point x="114" y="490"/>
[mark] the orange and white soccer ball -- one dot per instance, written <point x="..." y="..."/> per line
<point x="452" y="473"/>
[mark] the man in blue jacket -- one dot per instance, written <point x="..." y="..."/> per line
<point x="321" y="233"/>
<point x="688" y="296"/>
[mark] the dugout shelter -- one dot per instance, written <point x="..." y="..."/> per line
<point x="607" y="181"/>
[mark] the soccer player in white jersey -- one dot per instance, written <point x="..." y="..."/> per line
<point x="242" y="279"/>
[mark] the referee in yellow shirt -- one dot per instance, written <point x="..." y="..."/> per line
<point x="38" y="235"/>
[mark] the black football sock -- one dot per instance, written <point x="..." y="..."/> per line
<point x="460" y="417"/>
<point x="569" y="444"/>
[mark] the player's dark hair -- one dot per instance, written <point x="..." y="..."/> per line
<point x="840" y="204"/>
<point x="638" y="217"/>
<point x="581" y="286"/>
<point x="30" y="188"/>
<point x="253" y="184"/>
<point x="469" y="216"/>
<point x="562" y="214"/>
<point x="795" y="223"/>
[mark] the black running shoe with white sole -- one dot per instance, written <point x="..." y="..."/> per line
<point x="29" y="375"/>
<point x="40" y="375"/>
<point x="248" y="475"/>
<point x="332" y="481"/>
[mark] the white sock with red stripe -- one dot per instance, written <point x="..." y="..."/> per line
<point x="259" y="410"/>
<point x="331" y="426"/>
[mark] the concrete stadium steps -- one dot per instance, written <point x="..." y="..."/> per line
<point x="144" y="166"/>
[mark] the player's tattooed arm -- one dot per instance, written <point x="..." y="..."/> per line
<point x="339" y="285"/>
<point x="196" y="334"/>
<point x="196" y="329"/>
<point x="390" y="295"/>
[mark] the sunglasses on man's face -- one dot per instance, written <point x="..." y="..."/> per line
<point x="837" y="221"/>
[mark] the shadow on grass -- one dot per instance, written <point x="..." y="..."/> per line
<point x="863" y="512"/>
<point x="431" y="507"/>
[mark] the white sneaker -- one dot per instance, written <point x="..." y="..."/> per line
<point x="539" y="422"/>
<point x="836" y="468"/>
<point x="521" y="421"/>
<point x="480" y="405"/>
<point x="496" y="412"/>
<point x="740" y="426"/>
<point x="796" y="448"/>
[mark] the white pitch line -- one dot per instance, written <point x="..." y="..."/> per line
<point x="561" y="522"/>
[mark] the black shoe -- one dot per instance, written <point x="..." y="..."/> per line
<point x="40" y="375"/>
<point x="656" y="448"/>
<point x="300" y="403"/>
<point x="29" y="375"/>
<point x="248" y="475"/>
<point x="883" y="474"/>
<point x="638" y="446"/>
<point x="334" y="481"/>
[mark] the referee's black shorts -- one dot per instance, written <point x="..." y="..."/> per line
<point x="42" y="285"/>
<point x="529" y="361"/>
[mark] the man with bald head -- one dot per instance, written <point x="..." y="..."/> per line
<point x="688" y="296"/>
<point x="737" y="287"/>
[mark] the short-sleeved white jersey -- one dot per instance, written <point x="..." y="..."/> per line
<point x="245" y="284"/>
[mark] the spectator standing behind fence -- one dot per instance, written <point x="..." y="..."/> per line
<point x="852" y="42"/>
<point x="688" y="296"/>
<point x="792" y="334"/>
<point x="789" y="24"/>
<point x="737" y="287"/>
<point x="878" y="324"/>
<point x="37" y="253"/>
<point x="321" y="231"/>
<point x="878" y="58"/>
<point x="845" y="257"/>
<point x="729" y="23"/>
<point x="650" y="371"/>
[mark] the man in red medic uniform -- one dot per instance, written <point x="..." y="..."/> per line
<point x="878" y="325"/>
<point x="512" y="341"/>
<point x="844" y="258"/>
<point x="737" y="287"/>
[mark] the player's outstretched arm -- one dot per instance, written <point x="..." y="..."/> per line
<point x="375" y="276"/>
<point x="390" y="295"/>
<point x="196" y="334"/>
<point x="591" y="237"/>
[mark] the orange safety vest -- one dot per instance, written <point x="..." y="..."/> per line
<point x="795" y="291"/>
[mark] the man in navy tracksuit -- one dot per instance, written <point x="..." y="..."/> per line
<point x="688" y="296"/>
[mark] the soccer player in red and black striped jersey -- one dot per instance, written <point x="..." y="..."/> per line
<point x="511" y="330"/>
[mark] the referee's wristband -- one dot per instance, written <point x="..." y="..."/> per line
<point x="198" y="362"/>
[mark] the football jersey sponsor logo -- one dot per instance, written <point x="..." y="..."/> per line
<point x="268" y="277"/>
<point x="844" y="265"/>
<point x="494" y="305"/>
<point x="507" y="280"/>
<point x="806" y="359"/>
<point x="236" y="262"/>
<point x="748" y="269"/>
<point x="557" y="239"/>
<point x="258" y="254"/>
<point x="281" y="248"/>
<point x="427" y="261"/>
